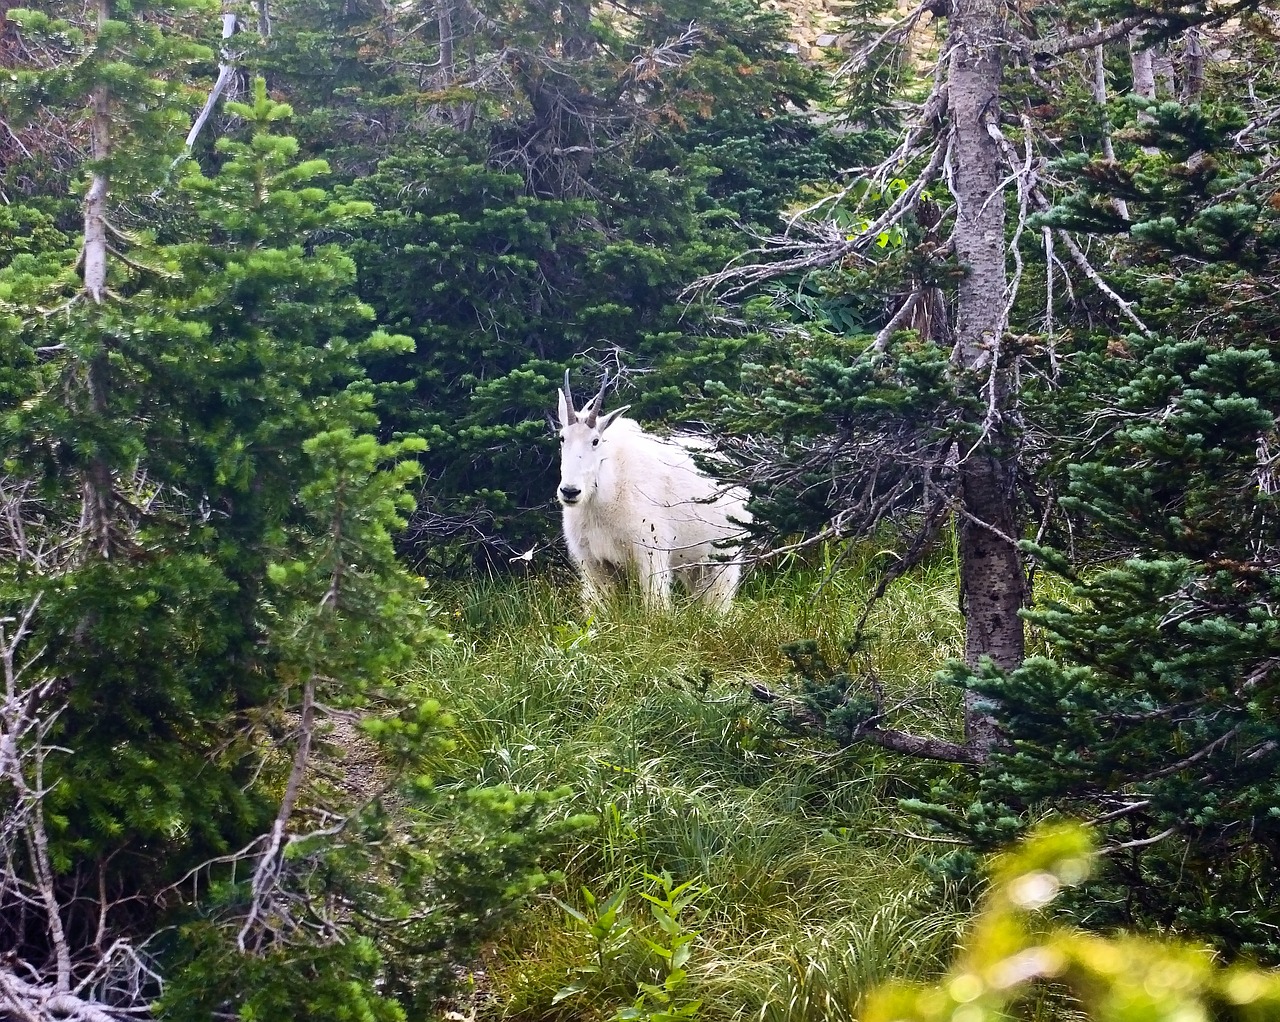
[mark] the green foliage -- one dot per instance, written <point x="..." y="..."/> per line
<point x="1155" y="711"/>
<point x="845" y="431"/>
<point x="549" y="215"/>
<point x="1012" y="952"/>
<point x="248" y="568"/>
<point x="810" y="890"/>
<point x="500" y="290"/>
<point x="143" y="61"/>
<point x="1159" y="708"/>
<point x="427" y="878"/>
<point x="658" y="1000"/>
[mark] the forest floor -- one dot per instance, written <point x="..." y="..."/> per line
<point x="809" y="885"/>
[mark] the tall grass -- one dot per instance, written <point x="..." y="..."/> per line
<point x="812" y="889"/>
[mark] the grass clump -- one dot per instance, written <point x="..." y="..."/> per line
<point x="809" y="887"/>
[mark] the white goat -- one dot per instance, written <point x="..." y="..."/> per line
<point x="632" y="500"/>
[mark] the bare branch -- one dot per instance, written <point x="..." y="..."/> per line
<point x="226" y="68"/>
<point x="807" y="721"/>
<point x="895" y="35"/>
<point x="1099" y="36"/>
<point x="826" y="242"/>
<point x="899" y="319"/>
<point x="1140" y="843"/>
<point x="1078" y="257"/>
<point x="264" y="897"/>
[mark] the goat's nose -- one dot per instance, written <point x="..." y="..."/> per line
<point x="570" y="492"/>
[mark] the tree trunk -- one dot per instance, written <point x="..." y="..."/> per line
<point x="992" y="585"/>
<point x="577" y="42"/>
<point x="1142" y="60"/>
<point x="1193" y="69"/>
<point x="95" y="200"/>
<point x="98" y="498"/>
<point x="444" y="24"/>
<point x="1100" y="97"/>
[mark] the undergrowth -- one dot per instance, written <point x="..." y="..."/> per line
<point x="809" y="880"/>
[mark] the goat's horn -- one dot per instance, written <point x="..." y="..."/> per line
<point x="597" y="402"/>
<point x="572" y="415"/>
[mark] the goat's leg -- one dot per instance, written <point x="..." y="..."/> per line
<point x="720" y="583"/>
<point x="597" y="582"/>
<point x="654" y="567"/>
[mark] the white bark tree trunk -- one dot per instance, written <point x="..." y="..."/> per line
<point x="1100" y="97"/>
<point x="97" y="505"/>
<point x="95" y="200"/>
<point x="1142" y="60"/>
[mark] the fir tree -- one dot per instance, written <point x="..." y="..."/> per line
<point x="1156" y="712"/>
<point x="201" y="577"/>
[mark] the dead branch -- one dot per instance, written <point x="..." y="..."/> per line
<point x="226" y="68"/>
<point x="264" y="898"/>
<point x="1099" y="36"/>
<point x="65" y="978"/>
<point x="805" y="720"/>
<point x="1078" y="257"/>
<point x="822" y="242"/>
<point x="1100" y="98"/>
<point x="1145" y="842"/>
<point x="895" y="35"/>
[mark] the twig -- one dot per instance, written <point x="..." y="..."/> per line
<point x="1140" y="843"/>
<point x="918" y="746"/>
<point x="268" y="869"/>
<point x="1078" y="257"/>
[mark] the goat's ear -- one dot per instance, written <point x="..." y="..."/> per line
<point x="564" y="409"/>
<point x="607" y="420"/>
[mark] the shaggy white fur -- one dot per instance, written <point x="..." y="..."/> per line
<point x="632" y="501"/>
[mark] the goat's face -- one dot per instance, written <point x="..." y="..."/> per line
<point x="583" y="446"/>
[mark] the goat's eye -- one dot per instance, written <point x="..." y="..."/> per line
<point x="595" y="441"/>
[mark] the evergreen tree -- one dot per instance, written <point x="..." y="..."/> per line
<point x="200" y="577"/>
<point x="544" y="201"/>
<point x="986" y="437"/>
<point x="1156" y="714"/>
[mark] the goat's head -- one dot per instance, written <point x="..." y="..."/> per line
<point x="581" y="444"/>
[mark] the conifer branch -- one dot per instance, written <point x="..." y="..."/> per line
<point x="1098" y="36"/>
<point x="1205" y="750"/>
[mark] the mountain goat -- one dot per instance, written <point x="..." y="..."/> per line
<point x="632" y="500"/>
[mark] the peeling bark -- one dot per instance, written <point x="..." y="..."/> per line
<point x="1100" y="97"/>
<point x="94" y="255"/>
<point x="444" y="24"/>
<point x="1194" y="68"/>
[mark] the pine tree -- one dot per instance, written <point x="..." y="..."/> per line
<point x="509" y="252"/>
<point x="1156" y="714"/>
<point x="955" y="262"/>
<point x="201" y="575"/>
